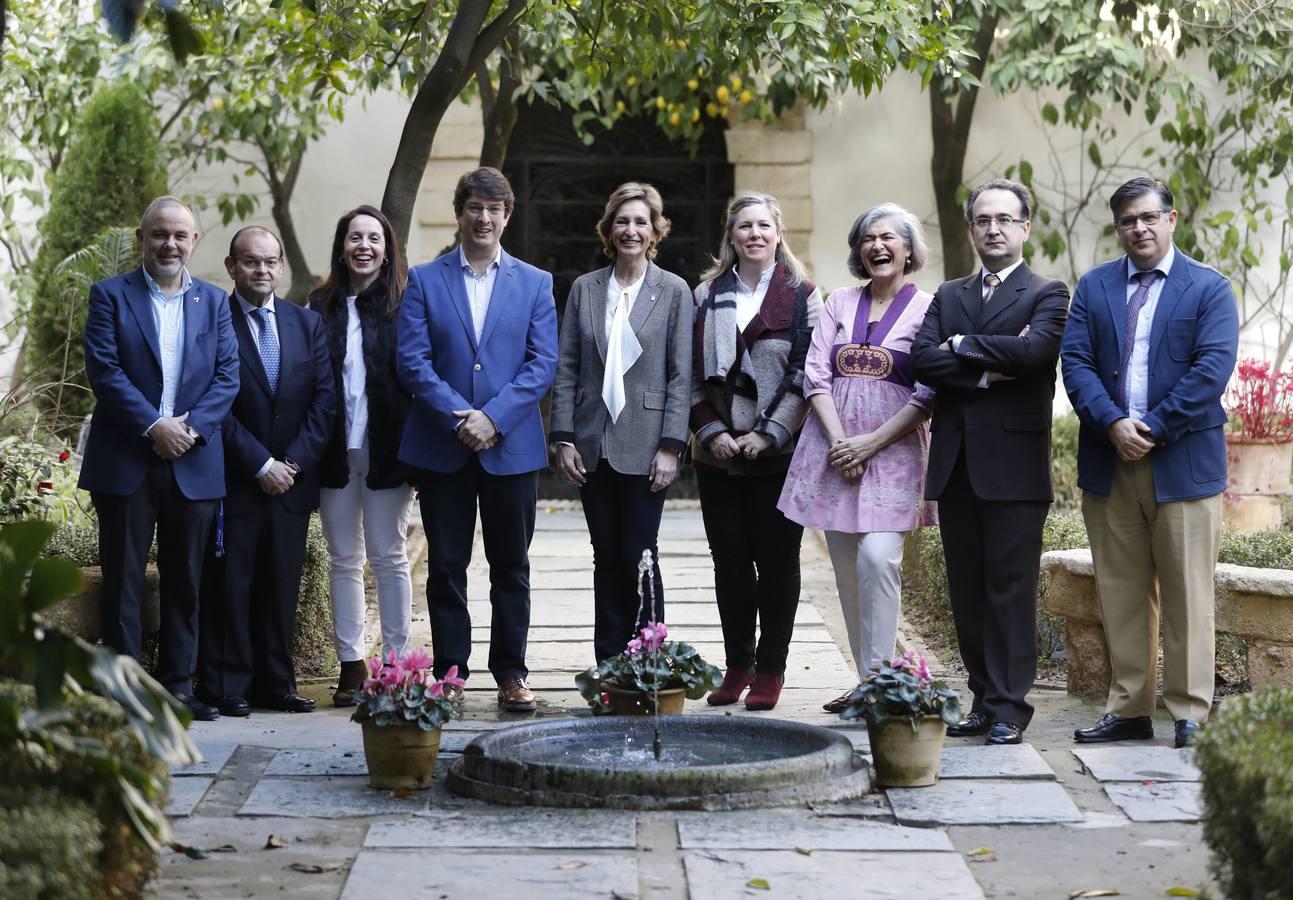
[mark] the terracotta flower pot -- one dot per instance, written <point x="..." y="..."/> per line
<point x="400" y="756"/>
<point x="903" y="757"/>
<point x="1258" y="477"/>
<point x="628" y="702"/>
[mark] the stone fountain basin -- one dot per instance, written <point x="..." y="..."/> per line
<point x="710" y="763"/>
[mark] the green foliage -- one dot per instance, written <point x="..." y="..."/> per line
<point x="902" y="689"/>
<point x="649" y="663"/>
<point x="112" y="170"/>
<point x="1064" y="444"/>
<point x="312" y="644"/>
<point x="1262" y="549"/>
<point x="29" y="475"/>
<point x="1246" y="758"/>
<point x="49" y="844"/>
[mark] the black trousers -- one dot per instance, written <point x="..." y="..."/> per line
<point x="126" y="526"/>
<point x="249" y="600"/>
<point x="623" y="516"/>
<point x="507" y="510"/>
<point x="992" y="550"/>
<point x="756" y="565"/>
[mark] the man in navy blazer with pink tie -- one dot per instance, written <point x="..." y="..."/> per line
<point x="478" y="350"/>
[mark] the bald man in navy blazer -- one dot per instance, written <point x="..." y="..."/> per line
<point x="162" y="360"/>
<point x="478" y="350"/>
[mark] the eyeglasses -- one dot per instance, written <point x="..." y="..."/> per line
<point x="476" y="209"/>
<point x="1148" y="219"/>
<point x="253" y="262"/>
<point x="983" y="223"/>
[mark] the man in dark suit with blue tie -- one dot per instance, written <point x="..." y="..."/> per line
<point x="161" y="358"/>
<point x="274" y="437"/>
<point x="1148" y="351"/>
<point x="478" y="350"/>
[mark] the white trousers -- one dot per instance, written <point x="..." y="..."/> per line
<point x="868" y="576"/>
<point x="358" y="523"/>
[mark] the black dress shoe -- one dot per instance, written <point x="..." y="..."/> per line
<point x="974" y="724"/>
<point x="291" y="702"/>
<point x="1186" y="730"/>
<point x="1005" y="733"/>
<point x="202" y="712"/>
<point x="233" y="705"/>
<point x="1116" y="728"/>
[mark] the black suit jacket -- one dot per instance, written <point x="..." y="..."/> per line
<point x="295" y="424"/>
<point x="1005" y="429"/>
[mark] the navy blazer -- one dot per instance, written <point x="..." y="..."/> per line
<point x="295" y="424"/>
<point x="505" y="375"/>
<point x="1192" y="345"/>
<point x="123" y="365"/>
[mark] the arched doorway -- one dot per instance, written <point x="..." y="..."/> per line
<point x="562" y="185"/>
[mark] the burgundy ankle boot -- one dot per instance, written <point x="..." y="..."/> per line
<point x="734" y="682"/>
<point x="765" y="690"/>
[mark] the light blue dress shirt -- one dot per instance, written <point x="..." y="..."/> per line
<point x="479" y="288"/>
<point x="253" y="326"/>
<point x="1138" y="365"/>
<point x="168" y="315"/>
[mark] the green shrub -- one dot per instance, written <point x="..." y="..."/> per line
<point x="312" y="645"/>
<point x="49" y="844"/>
<point x="1064" y="442"/>
<point x="924" y="585"/>
<point x="123" y="862"/>
<point x="112" y="169"/>
<point x="1246" y="757"/>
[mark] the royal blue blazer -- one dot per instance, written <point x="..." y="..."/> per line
<point x="1192" y="345"/>
<point x="123" y="365"/>
<point x="505" y="375"/>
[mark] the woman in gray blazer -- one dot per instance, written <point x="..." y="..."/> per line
<point x="620" y="404"/>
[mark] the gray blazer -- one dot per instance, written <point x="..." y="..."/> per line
<point x="657" y="386"/>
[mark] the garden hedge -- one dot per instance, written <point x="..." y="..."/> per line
<point x="1245" y="755"/>
<point x="49" y="844"/>
<point x="121" y="862"/>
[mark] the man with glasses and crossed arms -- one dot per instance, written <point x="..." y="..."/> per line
<point x="1149" y="348"/>
<point x="988" y="347"/>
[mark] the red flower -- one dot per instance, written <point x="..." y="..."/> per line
<point x="64" y="456"/>
<point x="44" y="486"/>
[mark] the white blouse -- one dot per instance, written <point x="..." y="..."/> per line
<point x="353" y="380"/>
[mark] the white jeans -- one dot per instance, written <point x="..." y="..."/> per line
<point x="358" y="521"/>
<point x="868" y="576"/>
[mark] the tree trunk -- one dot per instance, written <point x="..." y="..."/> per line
<point x="950" y="117"/>
<point x="302" y="278"/>
<point x="466" y="46"/>
<point x="498" y="107"/>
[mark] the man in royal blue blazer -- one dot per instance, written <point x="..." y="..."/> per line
<point x="1149" y="348"/>
<point x="274" y="437"/>
<point x="478" y="350"/>
<point x="162" y="361"/>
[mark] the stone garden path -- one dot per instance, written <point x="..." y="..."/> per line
<point x="280" y="807"/>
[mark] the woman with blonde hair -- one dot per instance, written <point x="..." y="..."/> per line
<point x="619" y="405"/>
<point x="755" y="313"/>
<point x="859" y="471"/>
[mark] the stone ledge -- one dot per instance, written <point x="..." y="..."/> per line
<point x="80" y="614"/>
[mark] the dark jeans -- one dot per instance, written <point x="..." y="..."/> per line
<point x="623" y="518"/>
<point x="756" y="565"/>
<point x="126" y="526"/>
<point x="507" y="525"/>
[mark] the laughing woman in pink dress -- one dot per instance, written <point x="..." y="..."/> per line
<point x="858" y="473"/>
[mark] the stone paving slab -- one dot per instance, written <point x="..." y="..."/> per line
<point x="789" y="875"/>
<point x="1171" y="801"/>
<point x="1020" y="761"/>
<point x="327" y="726"/>
<point x="186" y="793"/>
<point x="1144" y="763"/>
<point x="578" y="610"/>
<point x="982" y="803"/>
<point x="765" y="829"/>
<point x="214" y="756"/>
<point x="409" y="875"/>
<point x="341" y="761"/>
<point x="583" y="634"/>
<point x="526" y="828"/>
<point x="327" y="797"/>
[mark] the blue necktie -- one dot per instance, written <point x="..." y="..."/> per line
<point x="268" y="342"/>
<point x="1134" y="305"/>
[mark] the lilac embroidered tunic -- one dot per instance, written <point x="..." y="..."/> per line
<point x="866" y="368"/>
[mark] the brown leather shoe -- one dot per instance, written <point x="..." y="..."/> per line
<point x="839" y="704"/>
<point x="350" y="682"/>
<point x="514" y="696"/>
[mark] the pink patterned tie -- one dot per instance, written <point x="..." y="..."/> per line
<point x="1134" y="306"/>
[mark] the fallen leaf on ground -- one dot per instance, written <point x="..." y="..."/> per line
<point x="1097" y="892"/>
<point x="314" y="868"/>
<point x="571" y="864"/>
<point x="274" y="842"/>
<point x="401" y="793"/>
<point x="1182" y="892"/>
<point x="804" y="850"/>
<point x="760" y="883"/>
<point x="190" y="852"/>
<point x="981" y="851"/>
<point x="225" y="848"/>
<point x="982" y="855"/>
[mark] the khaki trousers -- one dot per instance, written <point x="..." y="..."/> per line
<point x="1153" y="557"/>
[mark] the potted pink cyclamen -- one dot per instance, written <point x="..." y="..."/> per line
<point x="402" y="707"/>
